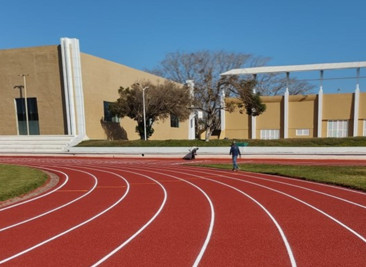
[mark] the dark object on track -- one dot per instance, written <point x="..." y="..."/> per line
<point x="192" y="154"/>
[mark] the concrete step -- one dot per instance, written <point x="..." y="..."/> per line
<point x="34" y="143"/>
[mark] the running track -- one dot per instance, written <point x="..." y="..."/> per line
<point x="151" y="212"/>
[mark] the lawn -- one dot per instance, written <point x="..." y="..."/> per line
<point x="291" y="142"/>
<point x="347" y="176"/>
<point x="17" y="180"/>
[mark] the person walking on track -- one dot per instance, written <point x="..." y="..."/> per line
<point x="235" y="152"/>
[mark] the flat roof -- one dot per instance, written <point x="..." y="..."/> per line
<point x="293" y="68"/>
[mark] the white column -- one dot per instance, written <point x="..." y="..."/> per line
<point x="79" y="91"/>
<point x="356" y="104"/>
<point x="192" y="123"/>
<point x="74" y="95"/>
<point x="285" y="113"/>
<point x="222" y="111"/>
<point x="320" y="105"/>
<point x="68" y="86"/>
<point x="254" y="119"/>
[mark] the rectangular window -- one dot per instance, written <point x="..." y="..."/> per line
<point x="199" y="114"/>
<point x="174" y="121"/>
<point x="302" y="132"/>
<point x="364" y="127"/>
<point x="270" y="134"/>
<point x="107" y="114"/>
<point x="337" y="128"/>
<point x="33" y="123"/>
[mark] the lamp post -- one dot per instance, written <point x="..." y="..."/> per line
<point x="144" y="110"/>
<point x="25" y="99"/>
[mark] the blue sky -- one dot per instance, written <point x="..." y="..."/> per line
<point x="140" y="33"/>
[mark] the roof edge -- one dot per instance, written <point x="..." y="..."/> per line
<point x="294" y="68"/>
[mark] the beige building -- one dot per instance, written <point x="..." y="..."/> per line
<point x="68" y="93"/>
<point x="301" y="116"/>
<point x="337" y="118"/>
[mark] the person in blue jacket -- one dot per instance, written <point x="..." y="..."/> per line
<point x="235" y="152"/>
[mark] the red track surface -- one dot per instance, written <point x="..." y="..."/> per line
<point x="153" y="212"/>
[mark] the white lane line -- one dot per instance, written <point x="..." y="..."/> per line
<point x="303" y="202"/>
<point x="73" y="228"/>
<point x="282" y="234"/>
<point x="40" y="196"/>
<point x="143" y="227"/>
<point x="340" y="188"/>
<point x="55" y="209"/>
<point x="248" y="174"/>
<point x="312" y="190"/>
<point x="212" y="220"/>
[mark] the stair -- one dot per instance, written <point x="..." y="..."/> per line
<point x="17" y="144"/>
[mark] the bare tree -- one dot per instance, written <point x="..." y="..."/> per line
<point x="276" y="84"/>
<point x="162" y="101"/>
<point x="204" y="68"/>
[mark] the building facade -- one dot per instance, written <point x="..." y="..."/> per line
<point x="301" y="116"/>
<point x="67" y="92"/>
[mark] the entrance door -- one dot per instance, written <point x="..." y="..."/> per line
<point x="32" y="116"/>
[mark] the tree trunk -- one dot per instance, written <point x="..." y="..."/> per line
<point x="208" y="134"/>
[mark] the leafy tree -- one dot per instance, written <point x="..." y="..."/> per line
<point x="250" y="102"/>
<point x="161" y="101"/>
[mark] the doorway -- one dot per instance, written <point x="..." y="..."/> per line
<point x="33" y="123"/>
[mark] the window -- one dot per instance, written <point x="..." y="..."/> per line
<point x="337" y="128"/>
<point x="364" y="127"/>
<point x="302" y="132"/>
<point x="174" y="121"/>
<point x="270" y="134"/>
<point x="199" y="114"/>
<point x="33" y="122"/>
<point x="107" y="114"/>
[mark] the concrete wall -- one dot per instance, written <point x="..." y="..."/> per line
<point x="42" y="65"/>
<point x="237" y="125"/>
<point x="302" y="115"/>
<point x="101" y="81"/>
<point x="163" y="131"/>
<point x="337" y="107"/>
<point x="362" y="114"/>
<point x="271" y="119"/>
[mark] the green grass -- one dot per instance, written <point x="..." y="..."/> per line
<point x="347" y="176"/>
<point x="294" y="142"/>
<point x="18" y="180"/>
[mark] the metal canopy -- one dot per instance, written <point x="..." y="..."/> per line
<point x="293" y="68"/>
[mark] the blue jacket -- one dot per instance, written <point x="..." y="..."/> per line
<point x="235" y="151"/>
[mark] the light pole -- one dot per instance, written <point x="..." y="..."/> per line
<point x="26" y="102"/>
<point x="144" y="110"/>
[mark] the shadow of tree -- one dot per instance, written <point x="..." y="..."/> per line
<point x="113" y="130"/>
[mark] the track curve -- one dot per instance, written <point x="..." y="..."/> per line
<point x="151" y="212"/>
